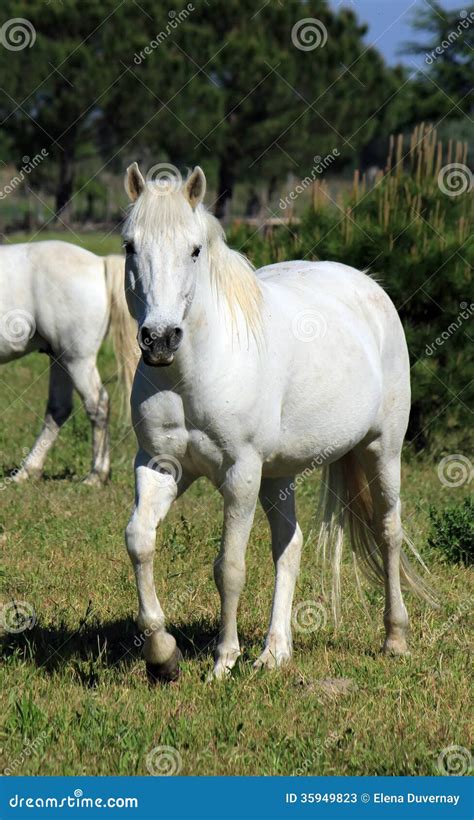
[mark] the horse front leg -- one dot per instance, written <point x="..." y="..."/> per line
<point x="155" y="493"/>
<point x="240" y="492"/>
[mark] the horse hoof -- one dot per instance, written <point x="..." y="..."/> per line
<point x="93" y="480"/>
<point x="19" y="476"/>
<point x="165" y="672"/>
<point x="395" y="648"/>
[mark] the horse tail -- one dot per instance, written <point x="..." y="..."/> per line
<point x="123" y="328"/>
<point x="346" y="499"/>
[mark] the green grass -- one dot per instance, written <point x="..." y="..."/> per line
<point x="99" y="243"/>
<point x="74" y="685"/>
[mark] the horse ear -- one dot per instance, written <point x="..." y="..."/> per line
<point x="134" y="182"/>
<point x="195" y="187"/>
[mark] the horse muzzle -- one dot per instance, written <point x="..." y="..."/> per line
<point x="158" y="349"/>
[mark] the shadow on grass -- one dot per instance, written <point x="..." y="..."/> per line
<point x="95" y="646"/>
<point x="8" y="471"/>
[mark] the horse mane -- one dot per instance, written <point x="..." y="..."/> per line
<point x="161" y="207"/>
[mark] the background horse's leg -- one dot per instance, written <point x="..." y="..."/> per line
<point x="240" y="491"/>
<point x="88" y="384"/>
<point x="155" y="493"/>
<point x="58" y="410"/>
<point x="382" y="467"/>
<point x="278" y="501"/>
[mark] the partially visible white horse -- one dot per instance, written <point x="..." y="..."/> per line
<point x="248" y="379"/>
<point x="60" y="299"/>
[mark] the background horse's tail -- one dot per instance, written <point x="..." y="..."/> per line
<point x="123" y="328"/>
<point x="346" y="498"/>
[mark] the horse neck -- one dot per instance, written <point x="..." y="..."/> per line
<point x="223" y="313"/>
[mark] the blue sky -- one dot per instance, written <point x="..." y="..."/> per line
<point x="389" y="23"/>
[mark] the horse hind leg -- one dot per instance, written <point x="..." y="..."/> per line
<point x="58" y="410"/>
<point x="383" y="476"/>
<point x="87" y="381"/>
<point x="278" y="502"/>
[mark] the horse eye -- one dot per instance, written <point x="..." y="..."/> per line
<point x="196" y="251"/>
<point x="129" y="248"/>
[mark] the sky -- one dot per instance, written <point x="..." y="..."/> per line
<point x="389" y="24"/>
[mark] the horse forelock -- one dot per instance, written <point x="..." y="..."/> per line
<point x="161" y="211"/>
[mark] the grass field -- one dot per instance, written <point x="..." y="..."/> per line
<point x="74" y="696"/>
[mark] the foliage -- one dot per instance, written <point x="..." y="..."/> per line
<point x="452" y="532"/>
<point x="444" y="85"/>
<point x="224" y="86"/>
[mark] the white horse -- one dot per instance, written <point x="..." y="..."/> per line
<point x="60" y="299"/>
<point x="249" y="378"/>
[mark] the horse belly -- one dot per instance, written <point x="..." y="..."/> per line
<point x="326" y="415"/>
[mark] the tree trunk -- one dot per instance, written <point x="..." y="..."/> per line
<point x="65" y="187"/>
<point x="225" y="190"/>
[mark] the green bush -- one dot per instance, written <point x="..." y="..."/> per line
<point x="452" y="532"/>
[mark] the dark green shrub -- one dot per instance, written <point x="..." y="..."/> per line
<point x="452" y="532"/>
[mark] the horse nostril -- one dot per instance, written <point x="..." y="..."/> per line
<point x="173" y="338"/>
<point x="145" y="337"/>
